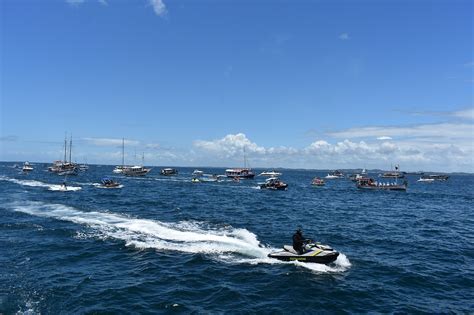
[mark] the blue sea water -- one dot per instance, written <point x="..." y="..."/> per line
<point x="167" y="245"/>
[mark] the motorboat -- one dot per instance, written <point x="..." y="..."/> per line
<point x="135" y="170"/>
<point x="241" y="173"/>
<point x="27" y="167"/>
<point x="318" y="182"/>
<point x="270" y="173"/>
<point x="197" y="173"/>
<point x="109" y="183"/>
<point x="393" y="175"/>
<point x="118" y="169"/>
<point x="169" y="171"/>
<point x="438" y="177"/>
<point x="426" y="179"/>
<point x="335" y="175"/>
<point x="371" y="184"/>
<point x="314" y="253"/>
<point x="356" y="177"/>
<point x="274" y="183"/>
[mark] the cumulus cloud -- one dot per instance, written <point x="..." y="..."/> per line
<point x="413" y="153"/>
<point x="344" y="36"/>
<point x="158" y="6"/>
<point x="104" y="142"/>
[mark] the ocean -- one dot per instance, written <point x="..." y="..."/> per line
<point x="167" y="245"/>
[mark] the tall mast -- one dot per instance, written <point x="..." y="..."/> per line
<point x="143" y="158"/>
<point x="65" y="146"/>
<point x="123" y="152"/>
<point x="70" y="149"/>
<point x="245" y="159"/>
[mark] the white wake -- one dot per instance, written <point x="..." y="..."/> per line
<point x="233" y="245"/>
<point x="35" y="183"/>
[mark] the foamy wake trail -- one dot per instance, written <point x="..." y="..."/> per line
<point x="35" y="183"/>
<point x="227" y="244"/>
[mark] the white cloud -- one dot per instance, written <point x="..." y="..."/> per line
<point x="110" y="142"/>
<point x="439" y="131"/>
<point x="465" y="114"/>
<point x="384" y="138"/>
<point x="344" y="36"/>
<point x="158" y="6"/>
<point x="103" y="2"/>
<point x="412" y="153"/>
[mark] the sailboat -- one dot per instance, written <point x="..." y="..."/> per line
<point x="119" y="168"/>
<point x="65" y="167"/>
<point x="245" y="172"/>
<point x="137" y="170"/>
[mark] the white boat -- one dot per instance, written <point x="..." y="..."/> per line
<point x="426" y="180"/>
<point x="135" y="170"/>
<point x="270" y="174"/>
<point x="240" y="173"/>
<point x="335" y="175"/>
<point x="64" y="167"/>
<point x="169" y="171"/>
<point x="27" y="167"/>
<point x="197" y="173"/>
<point x="119" y="168"/>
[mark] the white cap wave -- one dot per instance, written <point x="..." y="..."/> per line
<point x="229" y="244"/>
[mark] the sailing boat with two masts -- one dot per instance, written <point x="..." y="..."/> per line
<point x="65" y="167"/>
<point x="245" y="172"/>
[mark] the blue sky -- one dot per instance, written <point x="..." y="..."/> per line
<point x="306" y="84"/>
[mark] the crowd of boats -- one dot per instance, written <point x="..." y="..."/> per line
<point x="66" y="167"/>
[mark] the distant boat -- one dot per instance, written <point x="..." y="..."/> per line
<point x="119" y="168"/>
<point x="437" y="177"/>
<point x="394" y="174"/>
<point x="27" y="167"/>
<point x="274" y="183"/>
<point x="318" y="182"/>
<point x="426" y="179"/>
<point x="371" y="184"/>
<point x="335" y="175"/>
<point x="65" y="167"/>
<point x="270" y="173"/>
<point x="197" y="173"/>
<point x="241" y="173"/>
<point x="169" y="171"/>
<point x="110" y="183"/>
<point x="135" y="170"/>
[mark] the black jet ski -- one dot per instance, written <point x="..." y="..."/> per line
<point x="315" y="253"/>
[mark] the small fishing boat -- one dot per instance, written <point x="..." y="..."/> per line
<point x="318" y="182"/>
<point x="27" y="167"/>
<point x="169" y="171"/>
<point x="274" y="183"/>
<point x="109" y="183"/>
<point x="371" y="184"/>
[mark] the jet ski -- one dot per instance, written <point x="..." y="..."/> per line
<point x="314" y="253"/>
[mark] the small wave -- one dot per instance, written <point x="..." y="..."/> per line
<point x="35" y="183"/>
<point x="228" y="244"/>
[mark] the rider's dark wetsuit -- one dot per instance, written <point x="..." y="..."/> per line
<point x="298" y="242"/>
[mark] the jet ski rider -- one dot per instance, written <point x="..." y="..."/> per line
<point x="299" y="241"/>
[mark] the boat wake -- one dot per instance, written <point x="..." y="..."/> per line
<point x="35" y="183"/>
<point x="232" y="245"/>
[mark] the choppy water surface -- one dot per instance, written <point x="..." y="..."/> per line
<point x="169" y="245"/>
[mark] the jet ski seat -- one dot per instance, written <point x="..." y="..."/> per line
<point x="290" y="249"/>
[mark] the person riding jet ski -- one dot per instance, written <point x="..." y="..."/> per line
<point x="299" y="241"/>
<point x="305" y="250"/>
